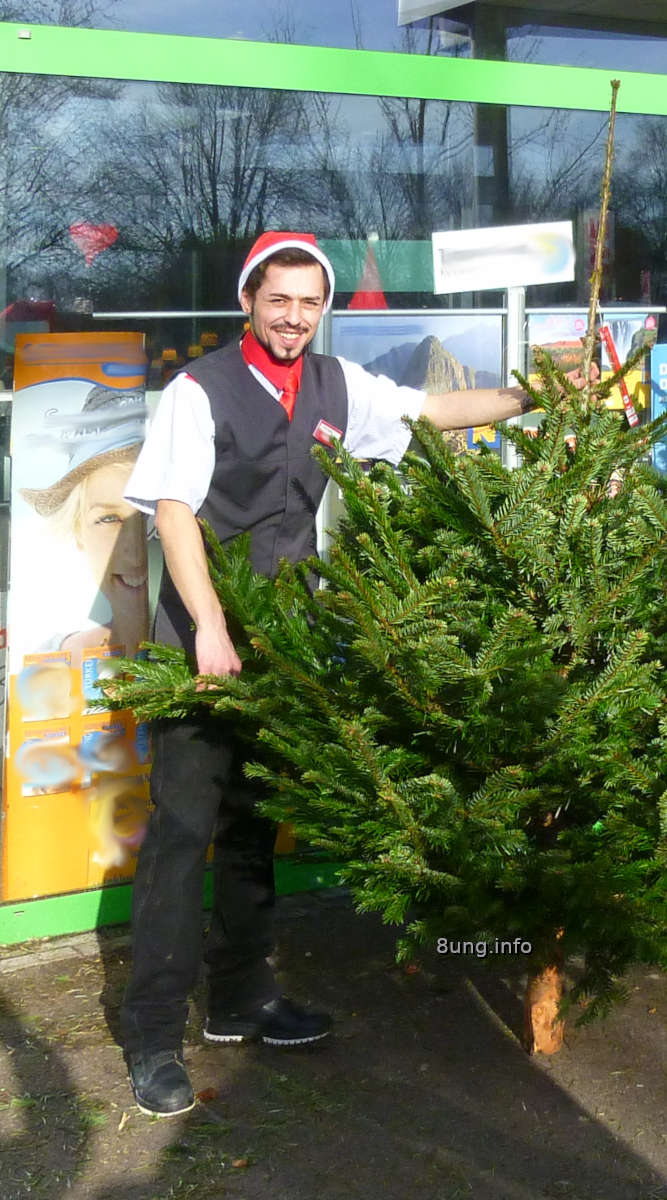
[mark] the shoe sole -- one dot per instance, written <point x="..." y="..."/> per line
<point x="229" y="1038"/>
<point x="151" y="1112"/>
<point x="295" y="1041"/>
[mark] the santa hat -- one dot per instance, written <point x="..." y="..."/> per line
<point x="272" y="242"/>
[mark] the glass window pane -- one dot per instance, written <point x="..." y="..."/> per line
<point x="572" y="47"/>
<point x="371" y="25"/>
<point x="144" y="198"/>
<point x="613" y="39"/>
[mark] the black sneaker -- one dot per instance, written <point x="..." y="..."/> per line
<point x="278" y="1023"/>
<point x="160" y="1083"/>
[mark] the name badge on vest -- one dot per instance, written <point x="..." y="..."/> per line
<point x="325" y="432"/>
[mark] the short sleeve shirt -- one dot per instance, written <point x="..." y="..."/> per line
<point x="178" y="457"/>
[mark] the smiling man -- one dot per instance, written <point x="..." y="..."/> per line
<point x="232" y="442"/>
<point x="285" y="306"/>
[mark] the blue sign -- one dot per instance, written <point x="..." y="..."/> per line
<point x="659" y="401"/>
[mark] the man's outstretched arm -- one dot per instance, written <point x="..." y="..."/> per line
<point x="479" y="406"/>
<point x="483" y="406"/>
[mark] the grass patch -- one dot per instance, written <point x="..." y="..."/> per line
<point x="90" y="1115"/>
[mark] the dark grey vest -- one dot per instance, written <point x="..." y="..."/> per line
<point x="265" y="481"/>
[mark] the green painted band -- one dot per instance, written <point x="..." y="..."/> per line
<point x="79" y="912"/>
<point x="110" y="54"/>
<point x="56" y="916"/>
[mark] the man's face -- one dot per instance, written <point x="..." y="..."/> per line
<point x="286" y="309"/>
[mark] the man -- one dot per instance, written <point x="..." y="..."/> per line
<point x="231" y="442"/>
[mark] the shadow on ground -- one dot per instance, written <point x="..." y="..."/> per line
<point x="423" y="1091"/>
<point x="45" y="1123"/>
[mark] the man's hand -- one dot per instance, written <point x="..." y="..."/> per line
<point x="188" y="566"/>
<point x="577" y="376"/>
<point x="215" y="653"/>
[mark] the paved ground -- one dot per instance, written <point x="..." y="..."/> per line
<point x="423" y="1091"/>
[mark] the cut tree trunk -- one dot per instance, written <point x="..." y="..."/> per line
<point x="543" y="1030"/>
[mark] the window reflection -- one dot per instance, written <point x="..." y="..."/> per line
<point x="350" y="24"/>
<point x="145" y="197"/>
<point x="492" y="29"/>
<point x="622" y="48"/>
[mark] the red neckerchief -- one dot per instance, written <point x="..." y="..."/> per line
<point x="271" y="368"/>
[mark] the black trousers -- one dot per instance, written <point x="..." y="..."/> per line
<point x="199" y="795"/>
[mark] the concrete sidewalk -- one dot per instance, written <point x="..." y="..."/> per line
<point x="423" y="1090"/>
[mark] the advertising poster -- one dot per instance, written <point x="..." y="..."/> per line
<point x="631" y="332"/>
<point x="444" y="353"/>
<point x="659" y="401"/>
<point x="561" y="333"/>
<point x="76" y="777"/>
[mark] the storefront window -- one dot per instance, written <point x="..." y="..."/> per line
<point x="140" y="197"/>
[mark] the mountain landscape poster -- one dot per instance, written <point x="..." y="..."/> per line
<point x="443" y="352"/>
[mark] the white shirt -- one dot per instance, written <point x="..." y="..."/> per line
<point x="178" y="457"/>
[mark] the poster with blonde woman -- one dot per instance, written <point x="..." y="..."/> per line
<point x="78" y="601"/>
<point x="85" y="509"/>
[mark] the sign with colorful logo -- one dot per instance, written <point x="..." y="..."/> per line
<point x="659" y="401"/>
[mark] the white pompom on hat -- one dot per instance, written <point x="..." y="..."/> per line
<point x="271" y="243"/>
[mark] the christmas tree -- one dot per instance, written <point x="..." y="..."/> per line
<point x="470" y="714"/>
